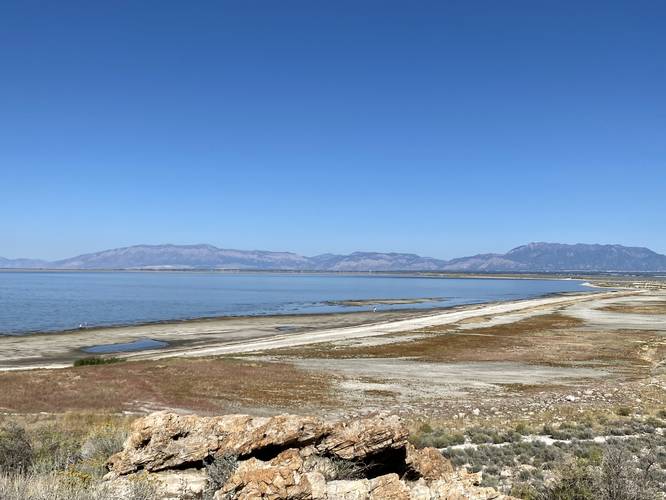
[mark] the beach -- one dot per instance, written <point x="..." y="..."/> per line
<point x="237" y="335"/>
<point x="600" y="348"/>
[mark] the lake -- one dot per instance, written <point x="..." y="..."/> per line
<point x="56" y="301"/>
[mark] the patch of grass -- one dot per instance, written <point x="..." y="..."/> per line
<point x="623" y="411"/>
<point x="73" y="486"/>
<point x="572" y="470"/>
<point x="97" y="360"/>
<point x="523" y="429"/>
<point x="569" y="430"/>
<point x="202" y="385"/>
<point x="98" y="446"/>
<point x="348" y="469"/>
<point x="64" y="458"/>
<point x="436" y="438"/>
<point x="16" y="453"/>
<point x="55" y="449"/>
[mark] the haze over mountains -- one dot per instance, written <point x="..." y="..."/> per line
<point x="534" y="257"/>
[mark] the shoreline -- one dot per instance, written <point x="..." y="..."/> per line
<point x="239" y="335"/>
<point x="365" y="303"/>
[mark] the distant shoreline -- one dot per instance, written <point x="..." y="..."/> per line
<point x="545" y="275"/>
<point x="235" y="335"/>
<point x="286" y="316"/>
<point x="388" y="304"/>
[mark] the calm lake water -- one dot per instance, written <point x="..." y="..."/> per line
<point x="55" y="301"/>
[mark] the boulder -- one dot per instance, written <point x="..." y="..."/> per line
<point x="281" y="477"/>
<point x="358" y="439"/>
<point x="165" y="440"/>
<point x="288" y="457"/>
<point x="379" y="488"/>
<point x="427" y="463"/>
<point x="464" y="486"/>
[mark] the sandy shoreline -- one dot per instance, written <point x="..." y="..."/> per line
<point x="507" y="359"/>
<point x="238" y="335"/>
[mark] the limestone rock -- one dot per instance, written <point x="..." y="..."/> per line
<point x="281" y="477"/>
<point x="463" y="486"/>
<point x="165" y="440"/>
<point x="379" y="488"/>
<point x="360" y="438"/>
<point x="428" y="463"/>
<point x="287" y="457"/>
<point x="182" y="484"/>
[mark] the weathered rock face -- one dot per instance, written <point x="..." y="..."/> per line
<point x="288" y="457"/>
<point x="358" y="439"/>
<point x="165" y="440"/>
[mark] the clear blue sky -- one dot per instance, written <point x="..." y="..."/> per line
<point x="436" y="127"/>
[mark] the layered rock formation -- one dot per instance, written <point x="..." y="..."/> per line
<point x="287" y="457"/>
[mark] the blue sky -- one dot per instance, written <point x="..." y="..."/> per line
<point x="436" y="127"/>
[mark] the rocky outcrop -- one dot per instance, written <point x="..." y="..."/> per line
<point x="288" y="457"/>
<point x="166" y="441"/>
<point x="358" y="439"/>
<point x="427" y="463"/>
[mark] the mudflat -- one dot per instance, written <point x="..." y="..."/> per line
<point x="61" y="349"/>
<point x="536" y="356"/>
<point x="236" y="335"/>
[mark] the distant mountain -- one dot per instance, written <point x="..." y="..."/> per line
<point x="483" y="262"/>
<point x="365" y="261"/>
<point x="22" y="263"/>
<point x="549" y="257"/>
<point x="535" y="257"/>
<point x="183" y="257"/>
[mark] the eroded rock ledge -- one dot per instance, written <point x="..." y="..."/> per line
<point x="287" y="457"/>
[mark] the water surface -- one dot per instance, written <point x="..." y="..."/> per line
<point x="56" y="301"/>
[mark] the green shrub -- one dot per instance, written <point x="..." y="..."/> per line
<point x="489" y="480"/>
<point x="219" y="470"/>
<point x="480" y="437"/>
<point x="525" y="491"/>
<point x="436" y="438"/>
<point x="576" y="480"/>
<point x="97" y="360"/>
<point x="425" y="429"/>
<point x="623" y="411"/>
<point x="98" y="446"/>
<point x="548" y="430"/>
<point x="54" y="449"/>
<point x="621" y="479"/>
<point x="523" y="429"/>
<point x="16" y="453"/>
<point x="141" y="487"/>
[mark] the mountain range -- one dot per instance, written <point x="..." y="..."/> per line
<point x="534" y="257"/>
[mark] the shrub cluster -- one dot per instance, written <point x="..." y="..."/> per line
<point x="621" y="469"/>
<point x="49" y="463"/>
<point x="97" y="360"/>
<point x="436" y="438"/>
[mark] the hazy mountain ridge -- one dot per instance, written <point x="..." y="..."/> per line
<point x="532" y="257"/>
<point x="364" y="261"/>
<point x="21" y="263"/>
<point x="183" y="256"/>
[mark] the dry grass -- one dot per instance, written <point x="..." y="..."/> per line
<point x="637" y="308"/>
<point x="201" y="385"/>
<point x="233" y="385"/>
<point x="549" y="339"/>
